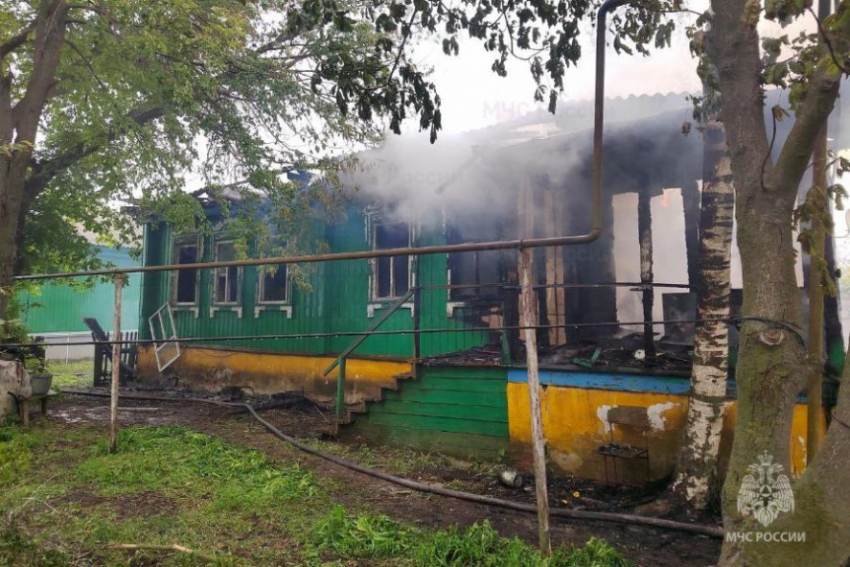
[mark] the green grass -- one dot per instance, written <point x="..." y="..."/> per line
<point x="476" y="546"/>
<point x="75" y="374"/>
<point x="67" y="501"/>
<point x="405" y="460"/>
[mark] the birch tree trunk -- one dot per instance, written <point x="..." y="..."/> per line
<point x="697" y="464"/>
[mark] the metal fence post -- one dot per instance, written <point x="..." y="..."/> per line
<point x="116" y="365"/>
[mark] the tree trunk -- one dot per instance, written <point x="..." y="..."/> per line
<point x="13" y="170"/>
<point x="814" y="390"/>
<point x="697" y="464"/>
<point x="18" y="129"/>
<point x="771" y="369"/>
<point x="771" y="362"/>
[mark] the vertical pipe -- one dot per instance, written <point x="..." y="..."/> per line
<point x="528" y="310"/>
<point x="598" y="111"/>
<point x="116" y="365"/>
<point x="340" y="391"/>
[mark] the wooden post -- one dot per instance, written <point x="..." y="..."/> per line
<point x="645" y="239"/>
<point x="417" y="322"/>
<point x="814" y="391"/>
<point x="116" y="365"/>
<point x="818" y="199"/>
<point x="340" y="392"/>
<point x="528" y="311"/>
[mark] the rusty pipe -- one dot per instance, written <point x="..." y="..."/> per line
<point x="365" y="254"/>
<point x="599" y="111"/>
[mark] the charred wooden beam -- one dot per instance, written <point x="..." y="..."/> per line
<point x="691" y="206"/>
<point x="555" y="309"/>
<point x="645" y="240"/>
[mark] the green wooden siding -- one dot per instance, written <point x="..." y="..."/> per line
<point x="337" y="300"/>
<point x="60" y="308"/>
<point x="308" y="315"/>
<point x="454" y="410"/>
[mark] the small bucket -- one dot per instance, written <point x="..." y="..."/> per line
<point x="40" y="383"/>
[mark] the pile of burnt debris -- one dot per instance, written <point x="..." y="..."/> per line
<point x="475" y="356"/>
<point x="627" y="353"/>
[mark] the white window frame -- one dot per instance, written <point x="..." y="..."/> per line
<point x="264" y="305"/>
<point x="375" y="302"/>
<point x="175" y="245"/>
<point x="451" y="305"/>
<point x="216" y="305"/>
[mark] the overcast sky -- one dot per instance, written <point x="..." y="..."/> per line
<point x="473" y="96"/>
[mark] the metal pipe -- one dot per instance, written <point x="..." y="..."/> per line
<point x="225" y="338"/>
<point x="501" y="285"/>
<point x="331" y="257"/>
<point x="599" y="110"/>
<point x="371" y="330"/>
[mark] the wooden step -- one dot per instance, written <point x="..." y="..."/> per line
<point x="362" y="407"/>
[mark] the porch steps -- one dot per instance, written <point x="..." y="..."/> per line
<point x="454" y="410"/>
<point x="362" y="407"/>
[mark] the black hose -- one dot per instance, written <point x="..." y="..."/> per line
<point x="423" y="487"/>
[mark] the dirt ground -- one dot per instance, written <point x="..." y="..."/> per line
<point x="647" y="547"/>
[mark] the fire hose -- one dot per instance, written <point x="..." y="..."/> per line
<point x="710" y="531"/>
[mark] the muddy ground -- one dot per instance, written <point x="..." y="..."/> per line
<point x="647" y="547"/>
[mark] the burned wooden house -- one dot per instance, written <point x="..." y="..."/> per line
<point x="459" y="385"/>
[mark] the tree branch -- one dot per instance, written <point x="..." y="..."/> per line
<point x="44" y="171"/>
<point x="797" y="149"/>
<point x="815" y="109"/>
<point x="49" y="38"/>
<point x="16" y="41"/>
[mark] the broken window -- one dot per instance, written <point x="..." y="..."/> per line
<point x="469" y="269"/>
<point x="274" y="286"/>
<point x="391" y="276"/>
<point x="186" y="281"/>
<point x="226" y="281"/>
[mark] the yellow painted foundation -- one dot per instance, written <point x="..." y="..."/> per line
<point x="575" y="426"/>
<point x="212" y="369"/>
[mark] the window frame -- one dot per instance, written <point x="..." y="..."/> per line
<point x="215" y="305"/>
<point x="269" y="305"/>
<point x="454" y="302"/>
<point x="373" y="276"/>
<point x="176" y="244"/>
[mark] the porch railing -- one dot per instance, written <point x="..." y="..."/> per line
<point x="340" y="360"/>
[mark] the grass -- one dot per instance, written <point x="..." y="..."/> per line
<point x="405" y="460"/>
<point x="74" y="374"/>
<point x="476" y="546"/>
<point x="68" y="501"/>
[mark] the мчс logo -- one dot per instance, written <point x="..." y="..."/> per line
<point x="765" y="492"/>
